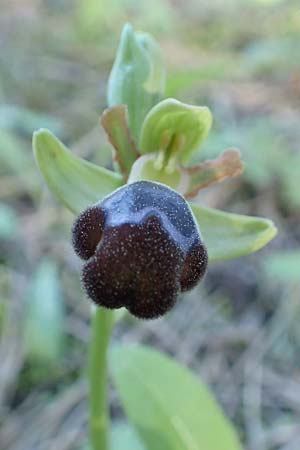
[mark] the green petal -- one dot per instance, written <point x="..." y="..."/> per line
<point x="228" y="235"/>
<point x="176" y="129"/>
<point x="75" y="182"/>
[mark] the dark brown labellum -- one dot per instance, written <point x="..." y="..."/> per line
<point x="142" y="247"/>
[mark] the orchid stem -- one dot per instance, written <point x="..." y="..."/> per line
<point x="102" y="323"/>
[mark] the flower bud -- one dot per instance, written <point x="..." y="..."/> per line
<point x="142" y="247"/>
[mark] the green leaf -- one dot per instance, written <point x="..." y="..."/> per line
<point x="115" y="122"/>
<point x="124" y="437"/>
<point x="170" y="408"/>
<point x="137" y="78"/>
<point x="44" y="315"/>
<point x="228" y="235"/>
<point x="75" y="182"/>
<point x="175" y="130"/>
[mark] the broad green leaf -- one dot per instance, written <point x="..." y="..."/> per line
<point x="115" y="122"/>
<point x="175" y="130"/>
<point x="170" y="408"/>
<point x="75" y="182"/>
<point x="137" y="78"/>
<point x="44" y="315"/>
<point x="228" y="235"/>
<point x="124" y="437"/>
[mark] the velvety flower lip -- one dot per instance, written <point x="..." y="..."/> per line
<point x="142" y="246"/>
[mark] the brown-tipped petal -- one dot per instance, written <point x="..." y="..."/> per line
<point x="227" y="165"/>
<point x="115" y="123"/>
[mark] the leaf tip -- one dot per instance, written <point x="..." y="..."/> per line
<point x="40" y="133"/>
<point x="273" y="230"/>
<point x="268" y="232"/>
<point x="127" y="29"/>
<point x="127" y="42"/>
<point x="39" y="137"/>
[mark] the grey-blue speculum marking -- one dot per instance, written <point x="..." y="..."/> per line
<point x="142" y="247"/>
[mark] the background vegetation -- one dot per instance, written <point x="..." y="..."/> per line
<point x="239" y="331"/>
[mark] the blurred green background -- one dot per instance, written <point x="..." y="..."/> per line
<point x="240" y="330"/>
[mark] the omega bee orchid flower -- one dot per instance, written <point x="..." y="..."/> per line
<point x="142" y="246"/>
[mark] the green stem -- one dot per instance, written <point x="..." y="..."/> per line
<point x="99" y="413"/>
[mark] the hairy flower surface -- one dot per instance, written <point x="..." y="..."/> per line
<point x="142" y="247"/>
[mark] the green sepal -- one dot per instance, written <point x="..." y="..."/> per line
<point x="75" y="182"/>
<point x="138" y="76"/>
<point x="228" y="235"/>
<point x="175" y="130"/>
